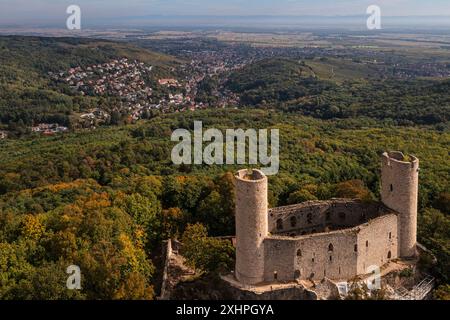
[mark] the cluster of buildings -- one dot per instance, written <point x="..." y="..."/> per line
<point x="214" y="64"/>
<point x="130" y="82"/>
<point x="49" y="129"/>
<point x="171" y="83"/>
<point x="414" y="70"/>
<point x="121" y="78"/>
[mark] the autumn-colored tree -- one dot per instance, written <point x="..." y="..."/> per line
<point x="216" y="211"/>
<point x="48" y="282"/>
<point x="134" y="287"/>
<point x="82" y="226"/>
<point x="172" y="221"/>
<point x="204" y="253"/>
<point x="32" y="227"/>
<point x="300" y="196"/>
<point x="442" y="292"/>
<point x="353" y="189"/>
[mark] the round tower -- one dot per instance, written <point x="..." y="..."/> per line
<point x="251" y="225"/>
<point x="399" y="191"/>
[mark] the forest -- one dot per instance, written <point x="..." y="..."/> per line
<point x="105" y="200"/>
<point x="297" y="86"/>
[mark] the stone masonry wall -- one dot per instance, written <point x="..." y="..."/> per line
<point x="317" y="216"/>
<point x="375" y="241"/>
<point x="335" y="255"/>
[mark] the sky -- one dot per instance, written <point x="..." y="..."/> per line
<point x="53" y="11"/>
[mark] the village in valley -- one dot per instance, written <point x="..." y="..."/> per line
<point x="132" y="85"/>
<point x="127" y="90"/>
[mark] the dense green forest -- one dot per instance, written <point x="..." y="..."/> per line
<point x="299" y="86"/>
<point x="27" y="93"/>
<point x="105" y="200"/>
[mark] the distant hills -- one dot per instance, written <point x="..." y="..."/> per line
<point x="340" y="88"/>
<point x="28" y="95"/>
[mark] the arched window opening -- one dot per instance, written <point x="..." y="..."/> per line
<point x="356" y="248"/>
<point x="390" y="235"/>
<point x="297" y="274"/>
<point x="391" y="188"/>
<point x="331" y="259"/>
<point x="367" y="243"/>
<point x="293" y="222"/>
<point x="299" y="253"/>
<point x="275" y="275"/>
<point x="279" y="224"/>
<point x="330" y="247"/>
<point x="389" y="255"/>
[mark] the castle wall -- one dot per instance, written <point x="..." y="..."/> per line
<point x="317" y="216"/>
<point x="309" y="257"/>
<point x="335" y="255"/>
<point x="375" y="240"/>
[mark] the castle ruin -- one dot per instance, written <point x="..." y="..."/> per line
<point x="337" y="239"/>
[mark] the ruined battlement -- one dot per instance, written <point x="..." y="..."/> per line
<point x="322" y="216"/>
<point x="400" y="161"/>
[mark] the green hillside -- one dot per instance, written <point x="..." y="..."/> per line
<point x="340" y="70"/>
<point x="338" y="88"/>
<point x="27" y="93"/>
<point x="275" y="80"/>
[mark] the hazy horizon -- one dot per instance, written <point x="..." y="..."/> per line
<point x="266" y="22"/>
<point x="52" y="13"/>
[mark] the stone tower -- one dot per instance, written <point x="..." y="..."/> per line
<point x="251" y="225"/>
<point x="399" y="191"/>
